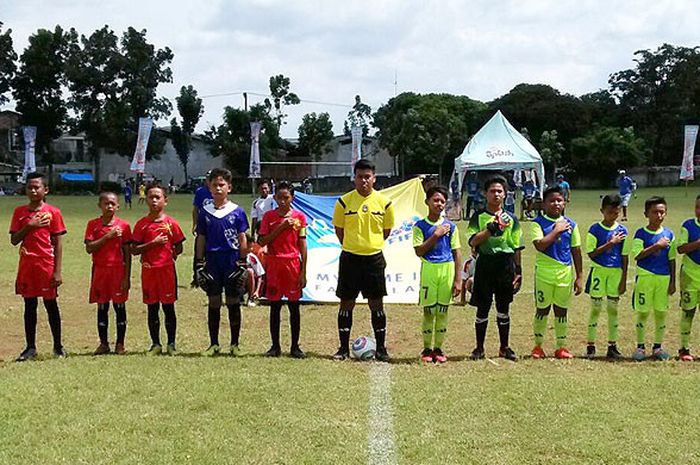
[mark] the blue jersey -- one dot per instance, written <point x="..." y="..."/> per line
<point x="202" y="197"/>
<point x="528" y="190"/>
<point x="559" y="250"/>
<point x="658" y="262"/>
<point x="598" y="236"/>
<point x="221" y="227"/>
<point x="442" y="251"/>
<point x="626" y="184"/>
<point x="127" y="193"/>
<point x="564" y="185"/>
<point x="690" y="232"/>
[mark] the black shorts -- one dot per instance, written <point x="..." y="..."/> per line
<point x="361" y="273"/>
<point x="493" y="276"/>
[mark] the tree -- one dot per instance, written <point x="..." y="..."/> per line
<point x="315" y="133"/>
<point x="190" y="108"/>
<point x="360" y="115"/>
<point x="281" y="97"/>
<point x="7" y="63"/>
<point x="551" y="150"/>
<point x="604" y="150"/>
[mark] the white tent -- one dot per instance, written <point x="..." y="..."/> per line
<point x="499" y="146"/>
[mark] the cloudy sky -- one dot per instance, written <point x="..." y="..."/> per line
<point x="333" y="50"/>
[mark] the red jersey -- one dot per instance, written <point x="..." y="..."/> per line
<point x="286" y="245"/>
<point x="37" y="243"/>
<point x="111" y="253"/>
<point x="147" y="229"/>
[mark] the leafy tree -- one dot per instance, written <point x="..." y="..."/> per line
<point x="315" y="133"/>
<point x="360" y="115"/>
<point x="604" y="150"/>
<point x="551" y="150"/>
<point x="7" y="63"/>
<point x="190" y="108"/>
<point x="281" y="97"/>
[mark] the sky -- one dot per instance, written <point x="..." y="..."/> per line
<point x="333" y="50"/>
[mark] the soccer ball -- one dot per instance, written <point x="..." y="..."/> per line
<point x="364" y="348"/>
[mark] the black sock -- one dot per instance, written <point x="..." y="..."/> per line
<point x="30" y="306"/>
<point x="234" y="320"/>
<point x="103" y="322"/>
<point x="154" y="323"/>
<point x="213" y="321"/>
<point x="656" y="346"/>
<point x="54" y="321"/>
<point x="344" y="326"/>
<point x="120" y="313"/>
<point x="170" y="322"/>
<point x="503" y="323"/>
<point x="275" y="310"/>
<point x="379" y="327"/>
<point x="481" y="323"/>
<point x="294" y="322"/>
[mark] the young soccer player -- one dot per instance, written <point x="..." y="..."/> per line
<point x="221" y="245"/>
<point x="39" y="228"/>
<point x="128" y="192"/>
<point x="689" y="245"/>
<point x="108" y="239"/>
<point x="283" y="231"/>
<point x="158" y="239"/>
<point x="142" y="193"/>
<point x="654" y="249"/>
<point x="261" y="205"/>
<point x="436" y="242"/>
<point x="608" y="275"/>
<point x="558" y="243"/>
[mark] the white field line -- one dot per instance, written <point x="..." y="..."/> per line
<point x="382" y="450"/>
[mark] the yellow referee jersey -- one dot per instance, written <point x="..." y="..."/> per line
<point x="363" y="220"/>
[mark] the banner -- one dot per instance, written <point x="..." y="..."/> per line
<point x="402" y="264"/>
<point x="356" y="133"/>
<point x="138" y="164"/>
<point x="29" y="135"/>
<point x="254" y="166"/>
<point x="687" y="169"/>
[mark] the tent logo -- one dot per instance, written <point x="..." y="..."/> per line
<point x="496" y="152"/>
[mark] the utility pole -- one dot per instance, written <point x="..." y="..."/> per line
<point x="245" y="101"/>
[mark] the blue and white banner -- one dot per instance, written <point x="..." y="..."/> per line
<point x="254" y="166"/>
<point x="356" y="133"/>
<point x="687" y="168"/>
<point x="138" y="164"/>
<point x="29" y="135"/>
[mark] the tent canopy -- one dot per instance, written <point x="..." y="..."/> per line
<point x="499" y="146"/>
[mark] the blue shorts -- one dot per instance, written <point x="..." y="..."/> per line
<point x="220" y="265"/>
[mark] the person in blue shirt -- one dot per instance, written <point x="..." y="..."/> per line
<point x="626" y="185"/>
<point x="472" y="193"/>
<point x="565" y="187"/>
<point x="529" y="191"/>
<point x="128" y="193"/>
<point x="202" y="197"/>
<point x="689" y="247"/>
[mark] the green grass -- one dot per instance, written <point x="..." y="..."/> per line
<point x="190" y="409"/>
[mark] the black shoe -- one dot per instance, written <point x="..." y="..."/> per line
<point x="342" y="354"/>
<point x="590" y="351"/>
<point x="507" y="353"/>
<point x="613" y="353"/>
<point x="273" y="351"/>
<point x="27" y="354"/>
<point x="382" y="355"/>
<point x="296" y="352"/>
<point x="59" y="352"/>
<point x="477" y="354"/>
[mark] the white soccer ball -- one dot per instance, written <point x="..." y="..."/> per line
<point x="364" y="348"/>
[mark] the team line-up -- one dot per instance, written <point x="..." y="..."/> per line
<point x="363" y="219"/>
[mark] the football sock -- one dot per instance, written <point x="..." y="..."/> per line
<point x="379" y="326"/>
<point x="440" y="325"/>
<point x="275" y="310"/>
<point x="596" y="307"/>
<point x="503" y="323"/>
<point x="234" y="321"/>
<point x="294" y="322"/>
<point x="54" y="321"/>
<point x="481" y="323"/>
<point x="103" y="322"/>
<point x="640" y="326"/>
<point x="659" y="327"/>
<point x="428" y="326"/>
<point x="120" y="313"/>
<point x="170" y="322"/>
<point x="539" y="327"/>
<point x="561" y="326"/>
<point x="344" y="326"/>
<point x="686" y="326"/>
<point x="30" y="306"/>
<point x="154" y="323"/>
<point x="612" y="320"/>
<point x="213" y="322"/>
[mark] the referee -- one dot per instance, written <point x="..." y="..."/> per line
<point x="363" y="219"/>
<point x="497" y="237"/>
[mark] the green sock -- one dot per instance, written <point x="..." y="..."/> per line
<point x="596" y="307"/>
<point x="612" y="320"/>
<point x="686" y="325"/>
<point x="440" y="325"/>
<point x="640" y="326"/>
<point x="561" y="326"/>
<point x="427" y="326"/>
<point x="539" y="327"/>
<point x="659" y="327"/>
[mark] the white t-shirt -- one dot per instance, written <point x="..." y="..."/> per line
<point x="262" y="206"/>
<point x="254" y="263"/>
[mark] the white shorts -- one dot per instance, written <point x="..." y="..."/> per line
<point x="626" y="199"/>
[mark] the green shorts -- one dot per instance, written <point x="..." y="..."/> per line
<point x="548" y="291"/>
<point x="436" y="280"/>
<point x="603" y="282"/>
<point x="690" y="290"/>
<point x="651" y="293"/>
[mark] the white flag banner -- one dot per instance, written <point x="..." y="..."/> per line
<point x="356" y="133"/>
<point x="29" y="134"/>
<point x="254" y="167"/>
<point x="687" y="169"/>
<point x="138" y="163"/>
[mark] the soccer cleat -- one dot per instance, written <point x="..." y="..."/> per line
<point x="273" y="351"/>
<point x="613" y="352"/>
<point x="156" y="349"/>
<point x="639" y="354"/>
<point x="382" y="355"/>
<point x="234" y="350"/>
<point x="342" y="354"/>
<point x="102" y="349"/>
<point x="59" y="352"/>
<point x="296" y="352"/>
<point x="27" y="354"/>
<point x="563" y="353"/>
<point x="477" y="354"/>
<point x="426" y="356"/>
<point x="439" y="356"/>
<point x="171" y="350"/>
<point x="660" y="354"/>
<point x="213" y="350"/>
<point x="684" y="355"/>
<point x="538" y="353"/>
<point x="507" y="353"/>
<point x="119" y="348"/>
<point x="590" y="351"/>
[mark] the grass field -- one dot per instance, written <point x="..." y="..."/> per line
<point x="251" y="410"/>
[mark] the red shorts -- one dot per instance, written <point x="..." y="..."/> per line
<point x="34" y="278"/>
<point x="106" y="285"/>
<point x="282" y="276"/>
<point x="159" y="285"/>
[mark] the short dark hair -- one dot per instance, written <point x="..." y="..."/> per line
<point x="432" y="190"/>
<point x="262" y="182"/>
<point x="285" y="185"/>
<point x="220" y="173"/>
<point x="364" y="164"/>
<point x="654" y="200"/>
<point x="105" y="193"/>
<point x="156" y="185"/>
<point x="36" y="175"/>
<point x="496" y="179"/>
<point x="552" y="190"/>
<point x="611" y="200"/>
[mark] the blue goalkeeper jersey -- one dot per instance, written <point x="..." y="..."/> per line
<point x="222" y="226"/>
<point x="598" y="236"/>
